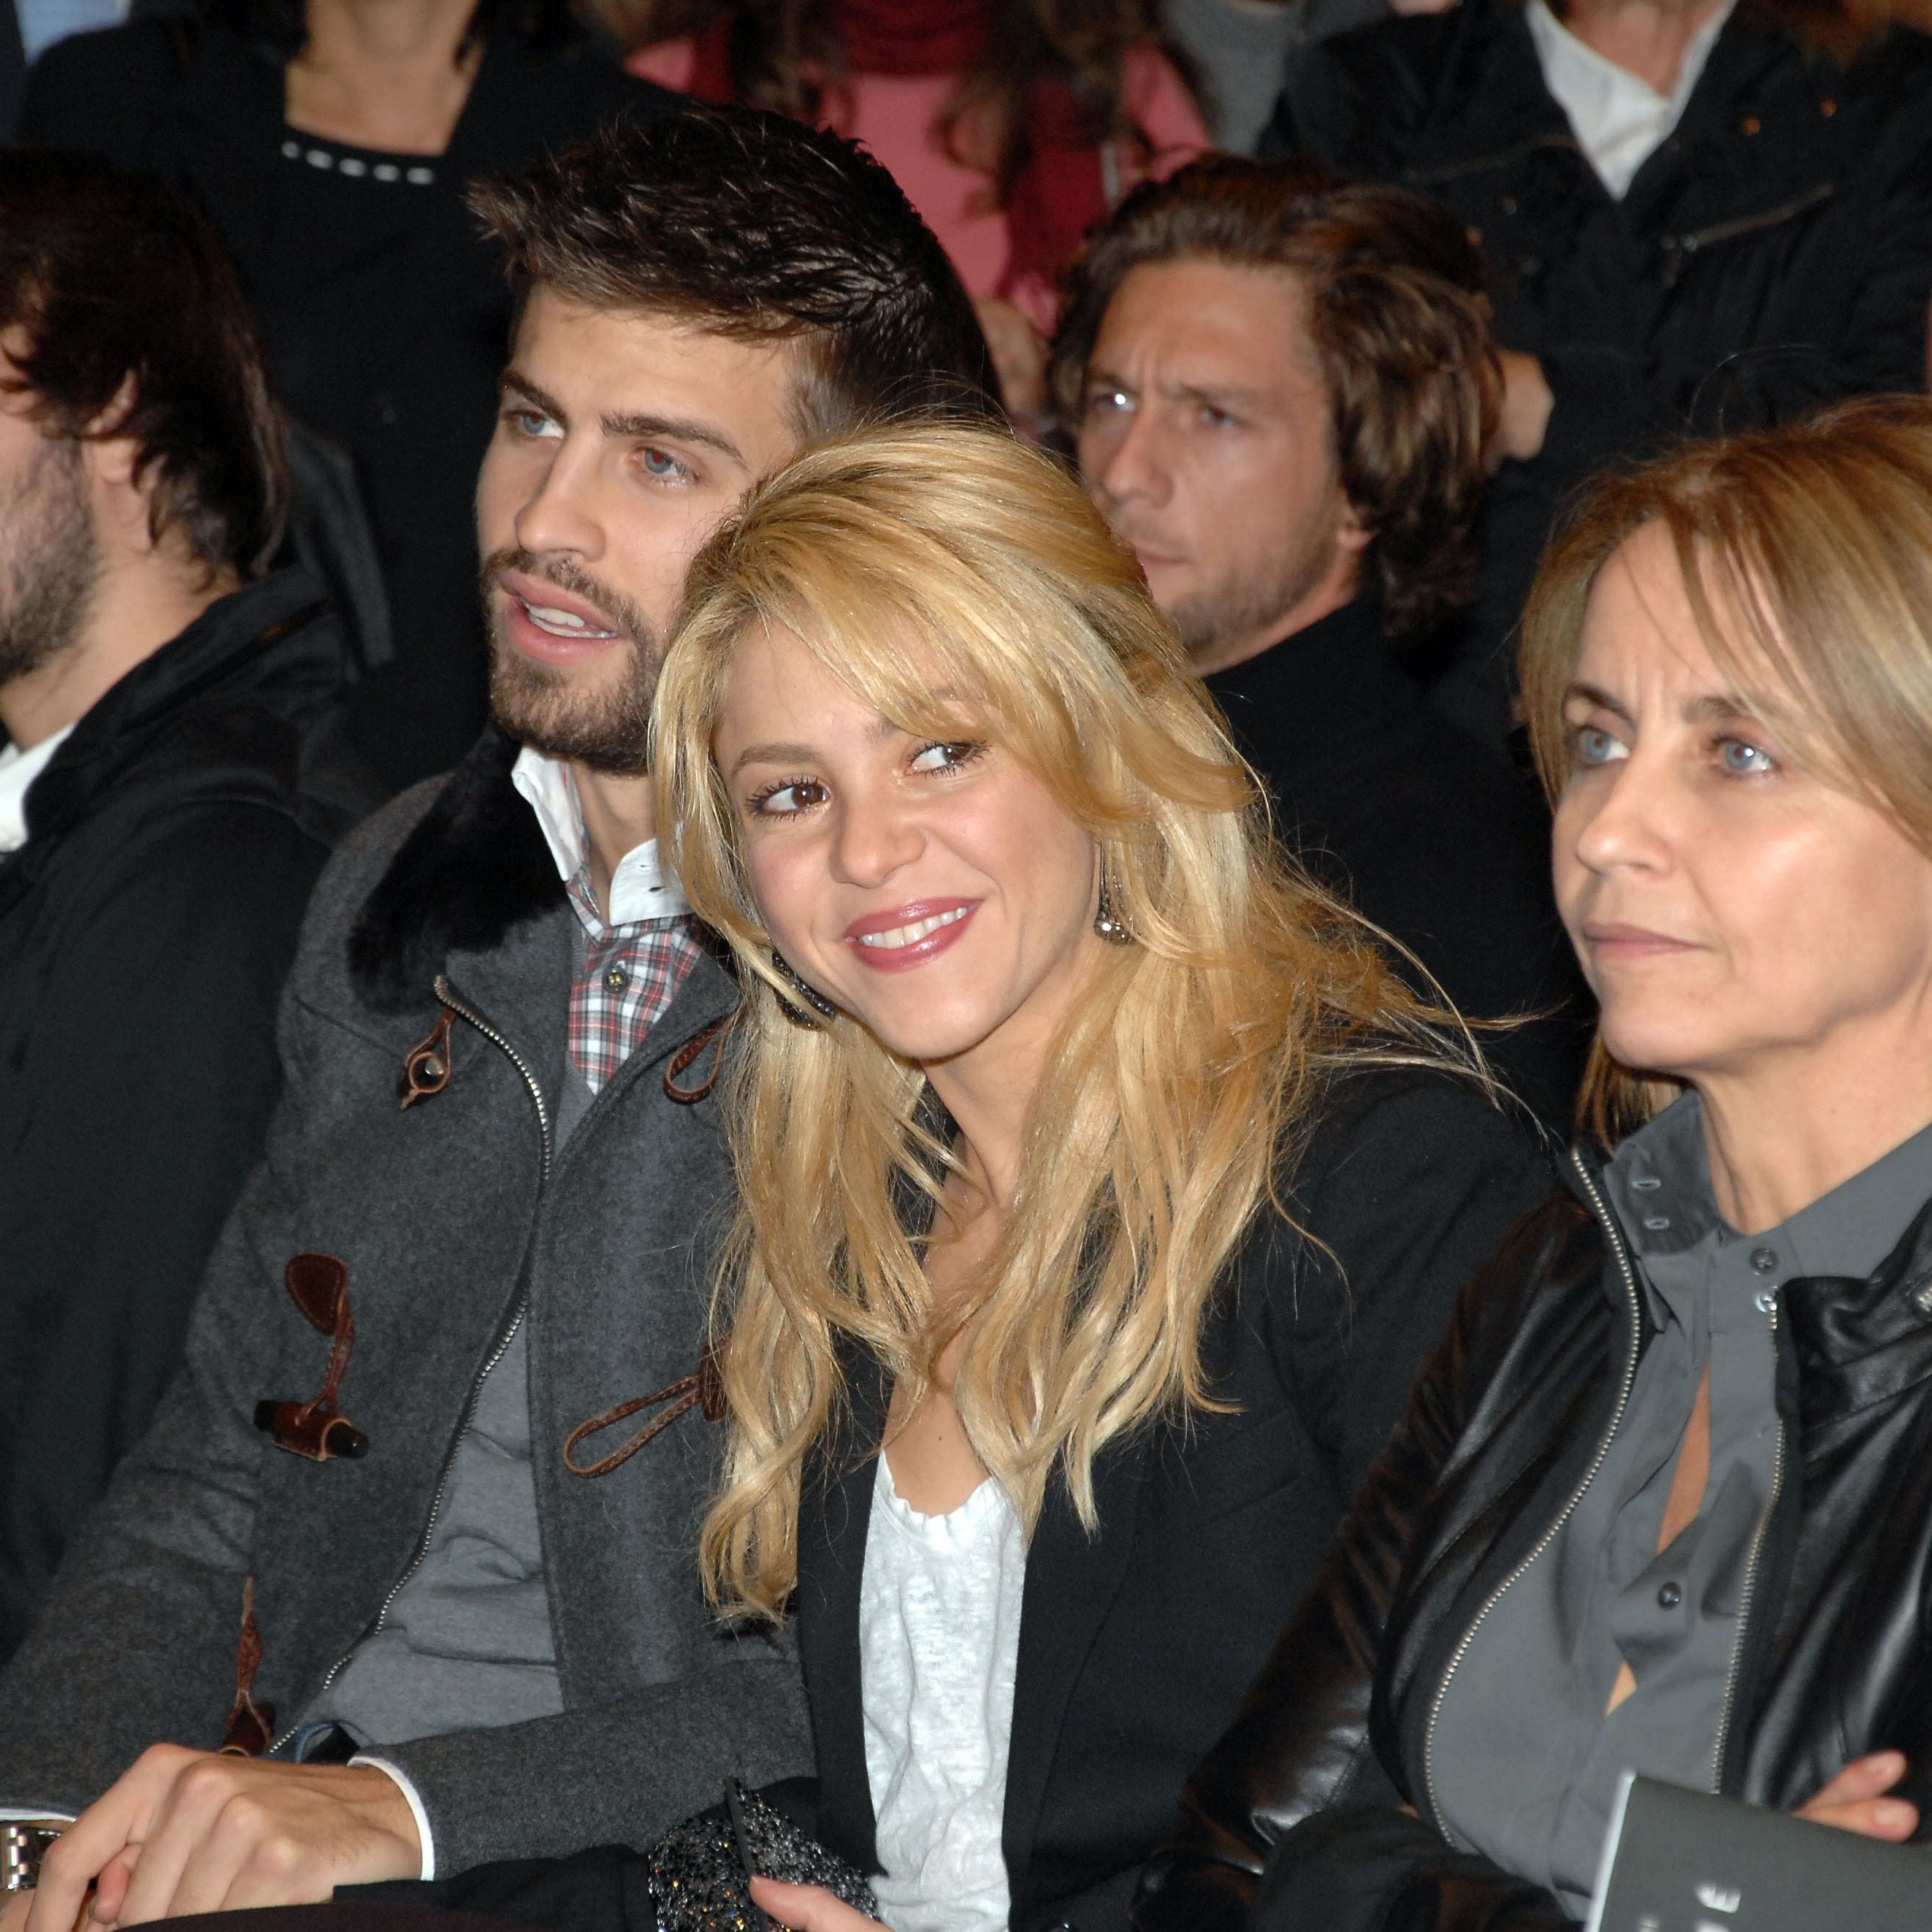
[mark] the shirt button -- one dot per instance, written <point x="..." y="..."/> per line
<point x="1670" y="1596"/>
<point x="616" y="978"/>
<point x="1766" y="1300"/>
<point x="1764" y="1259"/>
<point x="1646" y="1183"/>
<point x="1657" y="1223"/>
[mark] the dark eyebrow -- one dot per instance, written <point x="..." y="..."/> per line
<point x="1218" y="395"/>
<point x="513" y="383"/>
<point x="672" y="429"/>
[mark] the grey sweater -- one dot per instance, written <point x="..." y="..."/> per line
<point x="453" y="1215"/>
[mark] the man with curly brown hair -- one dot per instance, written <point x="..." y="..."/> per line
<point x="1283" y="389"/>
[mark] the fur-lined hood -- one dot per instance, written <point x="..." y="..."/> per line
<point x="474" y="867"/>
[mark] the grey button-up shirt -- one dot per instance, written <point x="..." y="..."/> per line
<point x="1527" y="1763"/>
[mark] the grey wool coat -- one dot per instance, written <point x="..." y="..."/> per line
<point x="456" y="1217"/>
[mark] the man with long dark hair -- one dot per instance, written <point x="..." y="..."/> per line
<point x="330" y="142"/>
<point x="443" y="1492"/>
<point x="168" y="795"/>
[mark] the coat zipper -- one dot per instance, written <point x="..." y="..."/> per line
<point x="1751" y="1586"/>
<point x="1677" y="248"/>
<point x="445" y="994"/>
<point x="1610" y="1228"/>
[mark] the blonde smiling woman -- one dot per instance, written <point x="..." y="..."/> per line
<point x="1100" y="1182"/>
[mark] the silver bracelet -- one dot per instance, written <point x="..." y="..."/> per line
<point x="22" y="1843"/>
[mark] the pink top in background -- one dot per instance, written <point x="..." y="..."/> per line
<point x="897" y="117"/>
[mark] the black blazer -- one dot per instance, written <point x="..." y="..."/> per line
<point x="1136" y="1643"/>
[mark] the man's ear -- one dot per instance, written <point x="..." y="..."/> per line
<point x="113" y="460"/>
<point x="1351" y="534"/>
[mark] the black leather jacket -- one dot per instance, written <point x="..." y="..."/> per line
<point x="1296" y="1819"/>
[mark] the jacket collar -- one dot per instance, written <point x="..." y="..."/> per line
<point x="473" y="871"/>
<point x="246" y="640"/>
<point x="1310" y="697"/>
<point x="1855" y="1342"/>
<point x="1858" y="1342"/>
<point x="1489" y="56"/>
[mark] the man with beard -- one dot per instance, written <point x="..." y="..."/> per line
<point x="168" y="798"/>
<point x="1282" y="389"/>
<point x="437" y="1504"/>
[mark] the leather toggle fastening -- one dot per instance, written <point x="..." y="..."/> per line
<point x="319" y="1285"/>
<point x="427" y="1070"/>
<point x="711" y="1036"/>
<point x="703" y="1390"/>
<point x="251" y="1728"/>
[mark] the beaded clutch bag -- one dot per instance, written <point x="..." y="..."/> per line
<point x="700" y="1870"/>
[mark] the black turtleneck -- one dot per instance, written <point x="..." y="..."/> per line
<point x="1434" y="837"/>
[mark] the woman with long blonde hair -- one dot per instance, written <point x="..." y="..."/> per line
<point x="1100" y="1181"/>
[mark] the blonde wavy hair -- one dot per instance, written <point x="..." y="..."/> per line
<point x="961" y="583"/>
<point x="1806" y="551"/>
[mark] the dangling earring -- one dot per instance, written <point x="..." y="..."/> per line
<point x="810" y="994"/>
<point x="1108" y="924"/>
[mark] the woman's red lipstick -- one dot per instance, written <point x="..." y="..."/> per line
<point x="882" y="941"/>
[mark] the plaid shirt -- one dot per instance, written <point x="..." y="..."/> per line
<point x="629" y="975"/>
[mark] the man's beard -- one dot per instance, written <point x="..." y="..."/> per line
<point x="50" y="561"/>
<point x="604" y="729"/>
<point x="1240" y="607"/>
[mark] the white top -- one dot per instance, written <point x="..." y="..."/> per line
<point x="640" y="888"/>
<point x="1619" y="121"/>
<point x="18" y="770"/>
<point x="939" y="1635"/>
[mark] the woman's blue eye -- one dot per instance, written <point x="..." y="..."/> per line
<point x="1746" y="759"/>
<point x="657" y="463"/>
<point x="1595" y="747"/>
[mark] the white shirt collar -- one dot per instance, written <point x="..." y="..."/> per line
<point x="1619" y="120"/>
<point x="18" y="770"/>
<point x="640" y="888"/>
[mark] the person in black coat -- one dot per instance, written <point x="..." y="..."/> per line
<point x="1282" y="389"/>
<point x="1765" y="245"/>
<point x="174" y="774"/>
<point x="1658" y="1503"/>
<point x="331" y="143"/>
